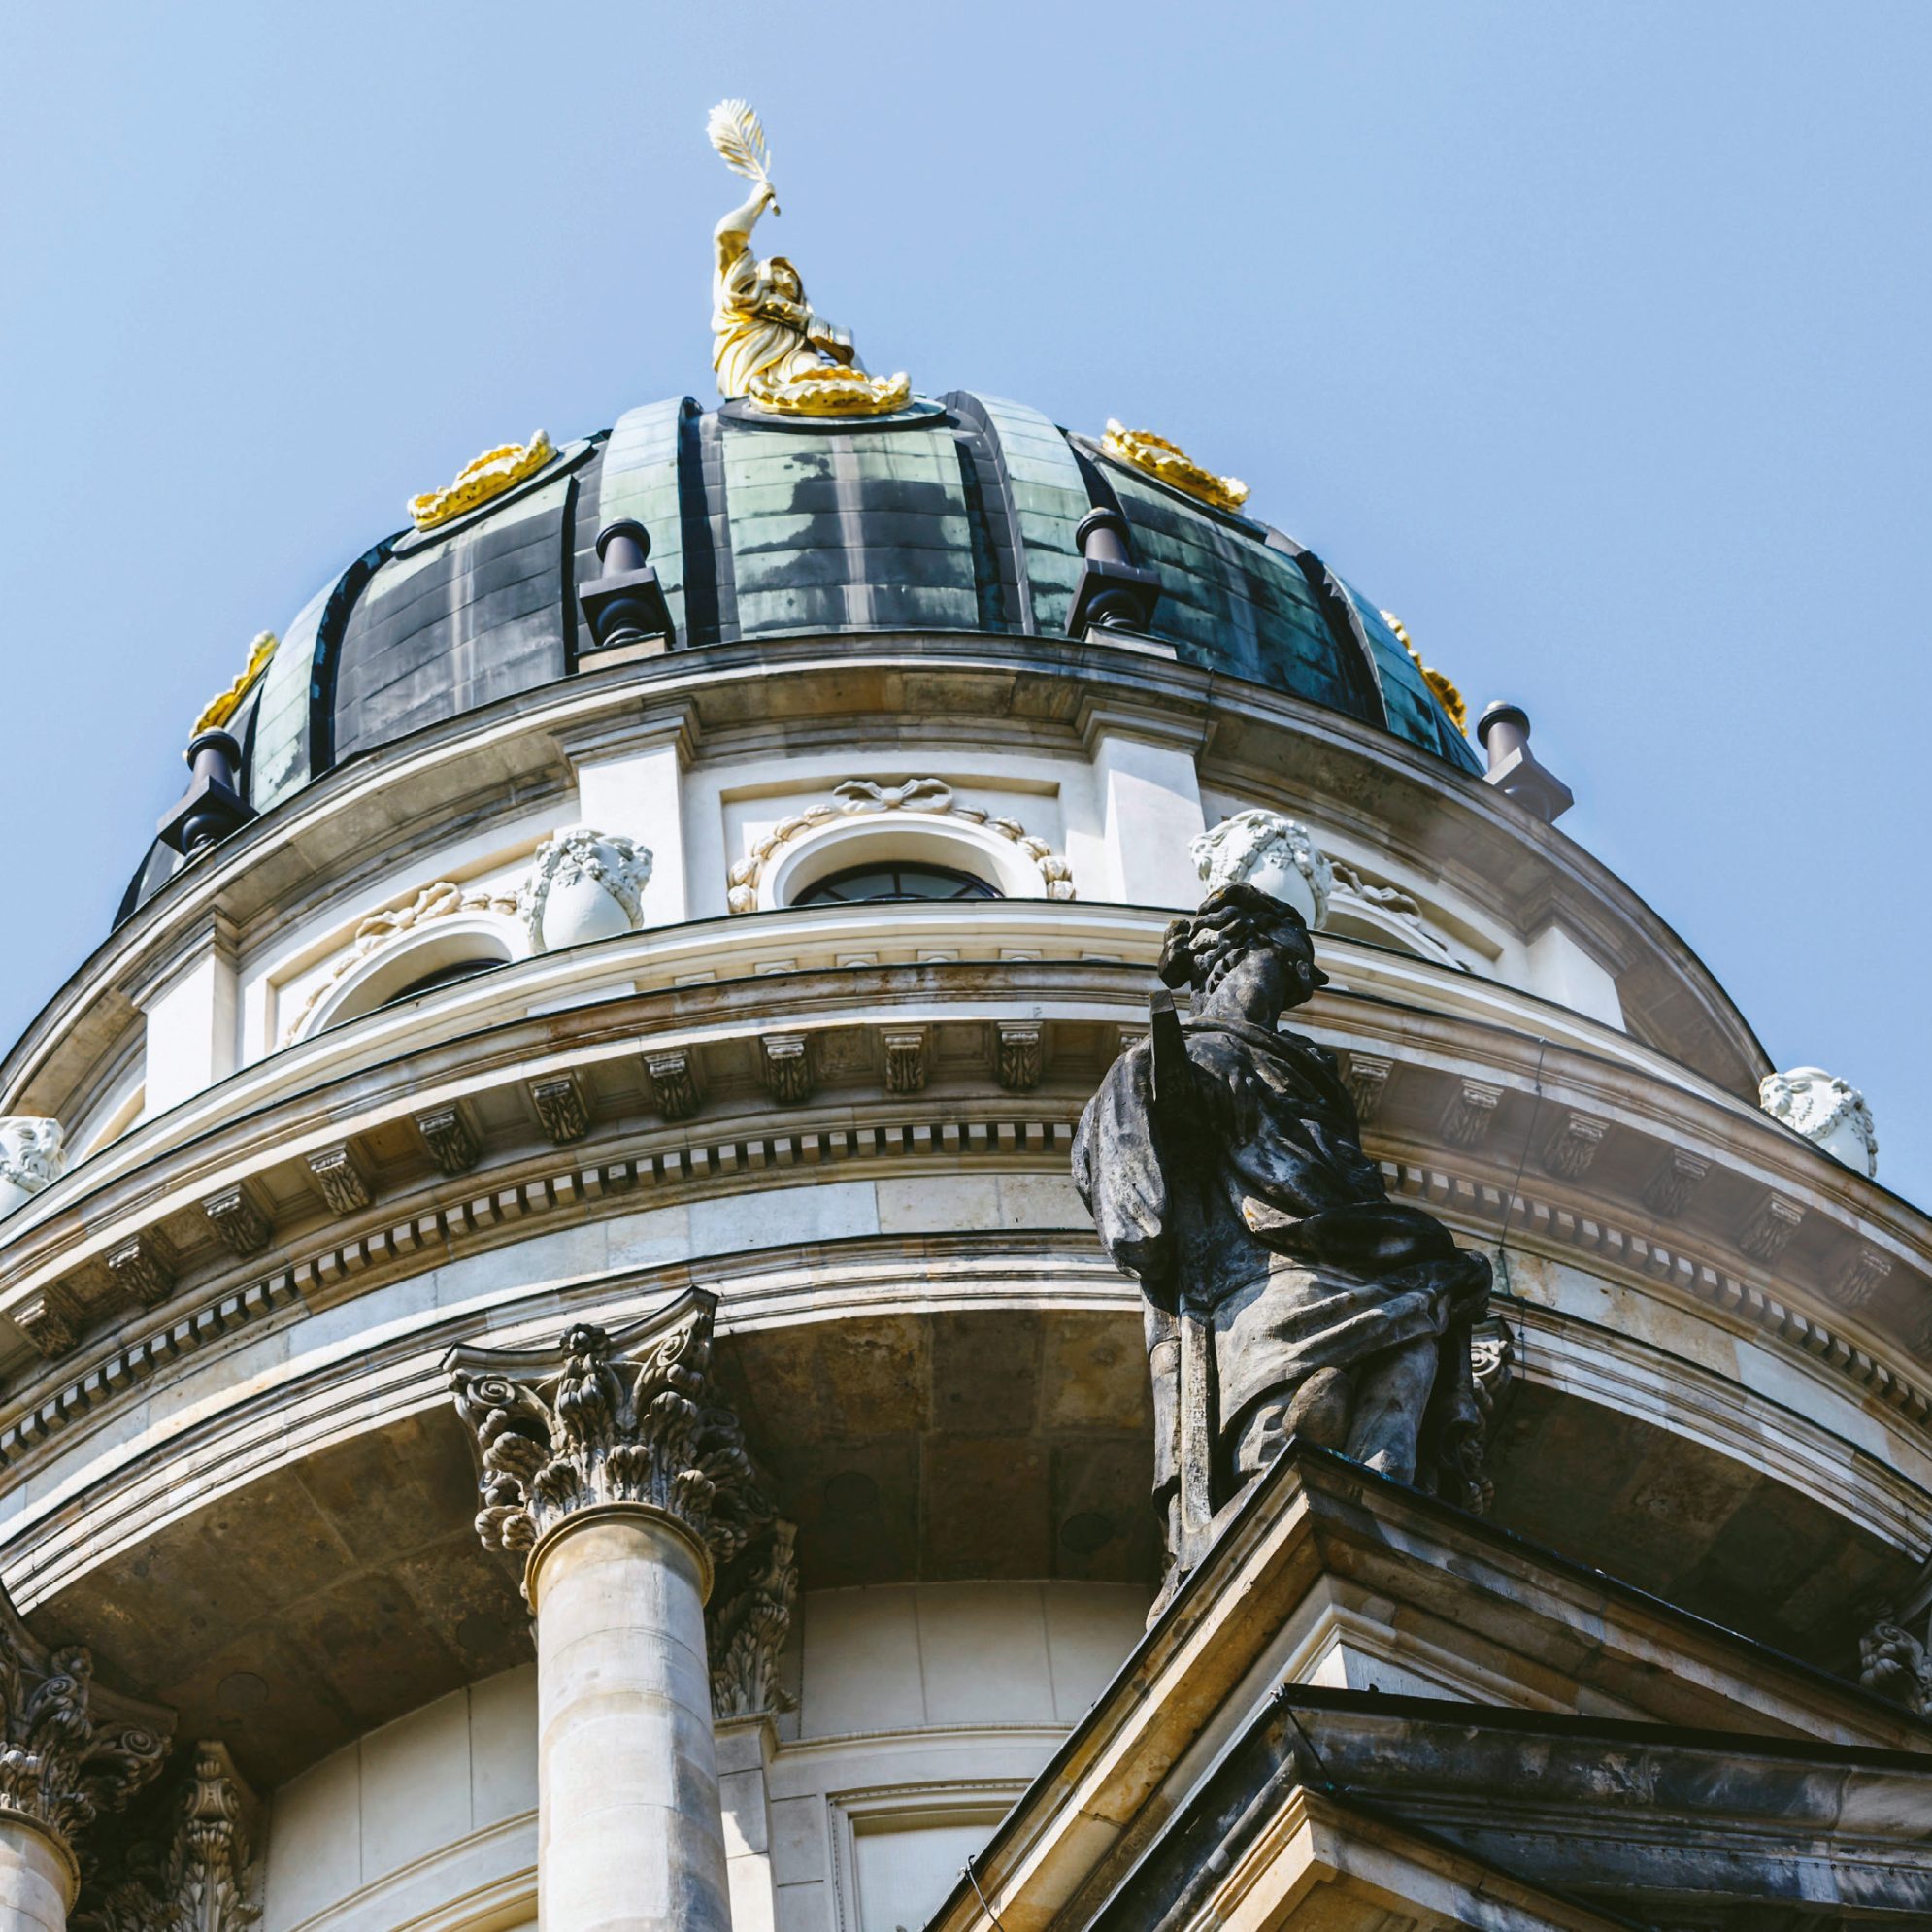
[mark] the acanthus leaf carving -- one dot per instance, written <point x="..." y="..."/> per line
<point x="242" y="1226"/>
<point x="203" y="1878"/>
<point x="624" y="1418"/>
<point x="748" y="1628"/>
<point x="70" y="1751"/>
<point x="673" y="1081"/>
<point x="1018" y="1056"/>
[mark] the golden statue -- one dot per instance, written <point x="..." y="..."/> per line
<point x="768" y="344"/>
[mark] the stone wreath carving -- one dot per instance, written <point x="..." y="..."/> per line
<point x="434" y="902"/>
<point x="927" y="796"/>
<point x="748" y="1629"/>
<point x="625" y="1419"/>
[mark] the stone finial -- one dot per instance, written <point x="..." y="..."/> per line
<point x="31" y="1157"/>
<point x="625" y="607"/>
<point x="750" y="1628"/>
<point x="583" y="885"/>
<point x="1515" y="770"/>
<point x="212" y="805"/>
<point x="1277" y="855"/>
<point x="1113" y="592"/>
<point x="71" y="1751"/>
<point x="606" y="1420"/>
<point x="202" y="1878"/>
<point x="1827" y="1110"/>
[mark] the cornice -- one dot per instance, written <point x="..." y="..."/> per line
<point x="514" y="750"/>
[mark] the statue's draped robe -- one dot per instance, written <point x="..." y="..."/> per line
<point x="1301" y="1259"/>
<point x="758" y="334"/>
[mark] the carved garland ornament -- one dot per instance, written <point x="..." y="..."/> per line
<point x="1816" y="1103"/>
<point x="926" y="796"/>
<point x="619" y="865"/>
<point x="434" y="902"/>
<point x="625" y="1419"/>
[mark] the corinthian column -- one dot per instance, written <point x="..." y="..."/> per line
<point x="611" y="1472"/>
<point x="71" y="1752"/>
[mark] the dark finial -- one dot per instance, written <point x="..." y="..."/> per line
<point x="625" y="607"/>
<point x="1515" y="770"/>
<point x="1113" y="594"/>
<point x="212" y="805"/>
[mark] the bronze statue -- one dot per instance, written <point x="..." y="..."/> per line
<point x="768" y="344"/>
<point x="1286" y="1296"/>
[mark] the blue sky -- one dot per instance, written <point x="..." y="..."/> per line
<point x="1593" y="339"/>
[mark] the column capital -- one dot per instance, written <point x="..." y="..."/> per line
<point x="603" y="1420"/>
<point x="202" y="1876"/>
<point x="71" y="1750"/>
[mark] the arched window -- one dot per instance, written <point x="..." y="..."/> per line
<point x="893" y="883"/>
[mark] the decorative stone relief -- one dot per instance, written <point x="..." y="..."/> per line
<point x="583" y="885"/>
<point x="905" y="1059"/>
<point x="49" y="1322"/>
<point x="1897" y="1664"/>
<point x="927" y="796"/>
<point x="1493" y="1377"/>
<point x="31" y="1157"/>
<point x="71" y="1751"/>
<point x="1573" y="1146"/>
<point x="748" y="1629"/>
<point x="340" y="1176"/>
<point x="1670" y="1189"/>
<point x="374" y="931"/>
<point x="1394" y="904"/>
<point x="1860" y="1278"/>
<point x="559" y="1105"/>
<point x="1471" y="1113"/>
<point x="629" y="1419"/>
<point x="1769" y="1228"/>
<point x="1827" y="1110"/>
<point x="447" y="1134"/>
<point x="1368" y="1081"/>
<point x="143" y="1268"/>
<point x="1016" y="1056"/>
<point x="201" y="1878"/>
<point x="674" y="1079"/>
<point x="786" y="1062"/>
<point x="1274" y="854"/>
<point x="242" y="1226"/>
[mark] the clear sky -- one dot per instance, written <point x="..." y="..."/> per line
<point x="1593" y="339"/>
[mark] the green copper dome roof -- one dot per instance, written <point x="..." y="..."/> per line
<point x="961" y="519"/>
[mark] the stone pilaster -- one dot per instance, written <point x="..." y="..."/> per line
<point x="611" y="1469"/>
<point x="71" y="1752"/>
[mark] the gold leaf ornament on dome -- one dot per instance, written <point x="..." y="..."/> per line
<point x="1446" y="693"/>
<point x="769" y="346"/>
<point x="1167" y="463"/>
<point x="219" y="710"/>
<point x="488" y="476"/>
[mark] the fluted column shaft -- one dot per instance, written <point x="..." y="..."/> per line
<point x="38" y="1877"/>
<point x="630" y="1831"/>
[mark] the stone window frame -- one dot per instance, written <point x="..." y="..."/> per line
<point x="933" y="1801"/>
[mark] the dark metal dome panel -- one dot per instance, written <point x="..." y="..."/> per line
<point x="459" y="622"/>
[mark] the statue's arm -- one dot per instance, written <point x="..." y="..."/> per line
<point x="733" y="234"/>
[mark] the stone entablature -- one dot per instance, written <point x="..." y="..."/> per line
<point x="1851" y="1282"/>
<point x="266" y="879"/>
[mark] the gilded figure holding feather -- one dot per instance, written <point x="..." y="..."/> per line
<point x="768" y="344"/>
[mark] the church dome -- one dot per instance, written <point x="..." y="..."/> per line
<point x="956" y="515"/>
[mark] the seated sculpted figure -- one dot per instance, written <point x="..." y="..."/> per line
<point x="769" y="344"/>
<point x="1225" y="1168"/>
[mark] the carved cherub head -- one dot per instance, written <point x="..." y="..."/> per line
<point x="1237" y="925"/>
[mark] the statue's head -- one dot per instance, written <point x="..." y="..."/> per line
<point x="1239" y="926"/>
<point x="785" y="278"/>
